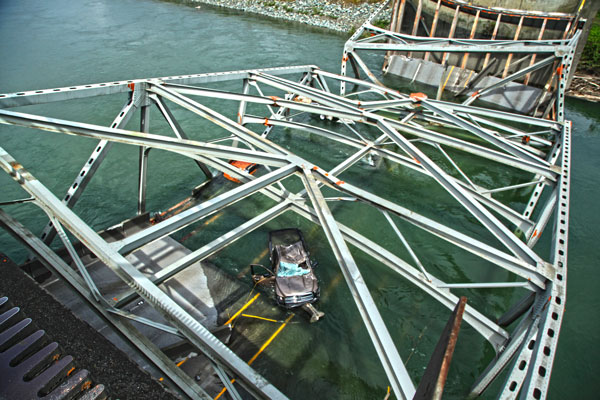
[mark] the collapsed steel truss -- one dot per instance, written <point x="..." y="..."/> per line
<point x="408" y="128"/>
<point x="524" y="59"/>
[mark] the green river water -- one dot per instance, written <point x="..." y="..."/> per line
<point x="61" y="43"/>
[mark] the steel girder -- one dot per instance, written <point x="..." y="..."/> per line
<point x="557" y="53"/>
<point x="407" y="131"/>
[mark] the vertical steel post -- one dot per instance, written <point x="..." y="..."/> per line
<point x="510" y="56"/>
<point x="143" y="162"/>
<point x="540" y="37"/>
<point x="496" y="27"/>
<point x="471" y="36"/>
<point x="434" y="25"/>
<point x="451" y="33"/>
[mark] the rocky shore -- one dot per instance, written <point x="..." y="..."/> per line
<point x="337" y="16"/>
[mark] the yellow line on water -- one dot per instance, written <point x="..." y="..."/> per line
<point x="264" y="346"/>
<point x="332" y="285"/>
<point x="268" y="342"/>
<point x="223" y="391"/>
<point x="260" y="256"/>
<point x="242" y="309"/>
<point x="257" y="317"/>
<point x="468" y="78"/>
<point x="213" y="219"/>
<point x="448" y="78"/>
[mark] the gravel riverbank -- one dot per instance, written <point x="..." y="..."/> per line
<point x="341" y="17"/>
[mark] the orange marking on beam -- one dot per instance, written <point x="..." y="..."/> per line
<point x="180" y="363"/>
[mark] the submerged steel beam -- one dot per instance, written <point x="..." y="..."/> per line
<point x="193" y="214"/>
<point x="209" y="249"/>
<point x="388" y="354"/>
<point x="181" y="319"/>
<point x="124" y="329"/>
<point x="139" y="139"/>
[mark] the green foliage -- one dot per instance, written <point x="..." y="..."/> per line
<point x="317" y="11"/>
<point x="590" y="57"/>
<point x="382" y="23"/>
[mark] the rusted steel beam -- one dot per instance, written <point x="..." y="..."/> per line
<point x="416" y="22"/>
<point x="433" y="380"/>
<point x="471" y="36"/>
<point x="540" y="37"/>
<point x="496" y="26"/>
<point x="434" y="25"/>
<point x="451" y="33"/>
<point x="510" y="56"/>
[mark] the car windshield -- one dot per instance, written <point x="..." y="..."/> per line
<point x="292" y="260"/>
<point x="291" y="269"/>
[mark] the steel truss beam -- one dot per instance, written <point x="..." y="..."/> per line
<point x="124" y="329"/>
<point x="181" y="319"/>
<point x="391" y="361"/>
<point x="538" y="276"/>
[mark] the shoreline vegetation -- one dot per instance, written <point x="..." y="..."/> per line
<point x="345" y="16"/>
<point x="339" y="16"/>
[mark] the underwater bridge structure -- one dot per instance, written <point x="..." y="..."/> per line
<point x="435" y="141"/>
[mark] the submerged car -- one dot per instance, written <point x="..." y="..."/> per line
<point x="291" y="273"/>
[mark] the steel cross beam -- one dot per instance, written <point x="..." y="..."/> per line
<point x="501" y="47"/>
<point x="517" y="247"/>
<point x="197" y="334"/>
<point x="124" y="329"/>
<point x="388" y="354"/>
<point x="498" y="141"/>
<point x="195" y="213"/>
<point x="510" y="78"/>
<point x="498" y="44"/>
<point x="188" y="147"/>
<point x="210" y="249"/>
<point x="107" y="88"/>
<point x="90" y="167"/>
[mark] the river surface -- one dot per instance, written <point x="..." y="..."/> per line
<point x="61" y="43"/>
